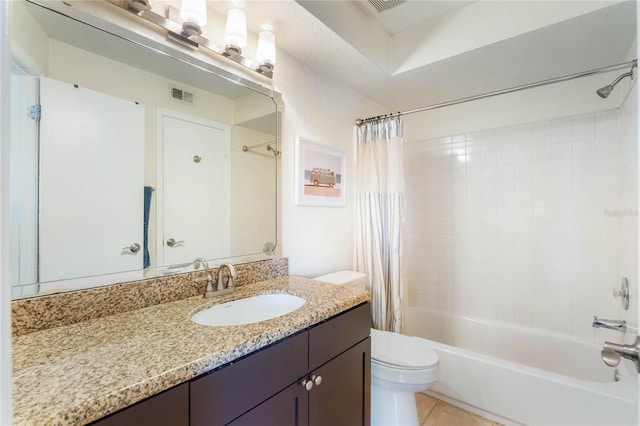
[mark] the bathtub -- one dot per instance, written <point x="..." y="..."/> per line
<point x="519" y="375"/>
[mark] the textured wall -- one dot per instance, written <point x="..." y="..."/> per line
<point x="316" y="240"/>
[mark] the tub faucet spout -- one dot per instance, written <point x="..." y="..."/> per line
<point x="619" y="325"/>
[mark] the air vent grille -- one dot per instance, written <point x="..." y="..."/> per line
<point x="181" y="95"/>
<point x="382" y="5"/>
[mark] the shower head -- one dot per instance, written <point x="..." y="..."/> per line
<point x="605" y="91"/>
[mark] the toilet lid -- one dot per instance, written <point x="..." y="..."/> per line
<point x="352" y="278"/>
<point x="402" y="351"/>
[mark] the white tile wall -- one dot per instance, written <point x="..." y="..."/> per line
<point x="533" y="224"/>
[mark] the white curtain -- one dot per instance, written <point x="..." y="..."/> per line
<point x="379" y="215"/>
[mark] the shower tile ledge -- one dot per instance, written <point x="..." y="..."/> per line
<point x="78" y="373"/>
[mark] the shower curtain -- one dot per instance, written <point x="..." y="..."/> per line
<point x="379" y="215"/>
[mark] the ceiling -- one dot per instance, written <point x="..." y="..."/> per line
<point x="398" y="19"/>
<point x="424" y="52"/>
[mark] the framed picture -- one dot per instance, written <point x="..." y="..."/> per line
<point x="319" y="175"/>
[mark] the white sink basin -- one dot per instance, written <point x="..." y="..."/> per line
<point x="248" y="310"/>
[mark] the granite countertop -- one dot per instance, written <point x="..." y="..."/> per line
<point x="78" y="373"/>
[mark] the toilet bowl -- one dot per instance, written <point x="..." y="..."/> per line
<point x="400" y="366"/>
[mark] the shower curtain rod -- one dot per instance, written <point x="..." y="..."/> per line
<point x="360" y="121"/>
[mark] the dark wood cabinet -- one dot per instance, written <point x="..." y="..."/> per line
<point x="224" y="394"/>
<point x="339" y="396"/>
<point x="289" y="407"/>
<point x="334" y="336"/>
<point x="268" y="387"/>
<point x="343" y="395"/>
<point x="340" y="373"/>
<point x="169" y="408"/>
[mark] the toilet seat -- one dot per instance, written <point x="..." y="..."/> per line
<point x="402" y="362"/>
<point x="398" y="351"/>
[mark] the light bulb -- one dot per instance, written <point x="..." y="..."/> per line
<point x="266" y="52"/>
<point x="194" y="12"/>
<point x="235" y="33"/>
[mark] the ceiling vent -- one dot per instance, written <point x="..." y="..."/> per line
<point x="181" y="95"/>
<point x="382" y="5"/>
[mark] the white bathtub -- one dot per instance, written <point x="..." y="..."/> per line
<point x="522" y="375"/>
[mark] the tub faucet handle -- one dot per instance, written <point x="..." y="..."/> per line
<point x="612" y="352"/>
<point x="623" y="293"/>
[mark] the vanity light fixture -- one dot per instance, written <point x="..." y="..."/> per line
<point x="185" y="26"/>
<point x="266" y="51"/>
<point x="235" y="33"/>
<point x="194" y="16"/>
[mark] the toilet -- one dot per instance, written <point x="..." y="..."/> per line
<point x="400" y="366"/>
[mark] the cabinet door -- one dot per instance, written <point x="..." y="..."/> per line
<point x="343" y="396"/>
<point x="287" y="408"/>
<point x="170" y="408"/>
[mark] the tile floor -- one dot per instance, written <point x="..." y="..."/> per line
<point x="433" y="412"/>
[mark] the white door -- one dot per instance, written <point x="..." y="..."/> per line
<point x="194" y="178"/>
<point x="91" y="182"/>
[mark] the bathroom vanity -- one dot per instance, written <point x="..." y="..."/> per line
<point x="156" y="366"/>
<point x="319" y="376"/>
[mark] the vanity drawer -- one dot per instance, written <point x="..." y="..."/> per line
<point x="330" y="338"/>
<point x="170" y="408"/>
<point x="225" y="394"/>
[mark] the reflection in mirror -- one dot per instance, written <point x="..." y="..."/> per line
<point x="129" y="163"/>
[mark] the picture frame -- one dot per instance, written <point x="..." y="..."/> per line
<point x="319" y="174"/>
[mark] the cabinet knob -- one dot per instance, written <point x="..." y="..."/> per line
<point x="317" y="380"/>
<point x="308" y="384"/>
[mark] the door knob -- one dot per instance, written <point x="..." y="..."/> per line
<point x="172" y="243"/>
<point x="612" y="352"/>
<point x="317" y="380"/>
<point x="133" y="248"/>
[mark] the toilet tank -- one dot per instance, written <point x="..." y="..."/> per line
<point x="351" y="278"/>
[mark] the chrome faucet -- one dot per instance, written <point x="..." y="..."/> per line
<point x="201" y="263"/>
<point x="232" y="275"/>
<point x="619" y="325"/>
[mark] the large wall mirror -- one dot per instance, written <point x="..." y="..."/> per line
<point x="129" y="159"/>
